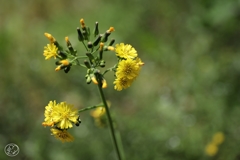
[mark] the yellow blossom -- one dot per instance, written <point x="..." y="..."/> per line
<point x="50" y="51"/>
<point x="49" y="119"/>
<point x="125" y="51"/>
<point x="211" y="149"/>
<point x="64" y="115"/>
<point x="98" y="112"/>
<point x="62" y="135"/>
<point x="218" y="138"/>
<point x="128" y="68"/>
<point x="122" y="83"/>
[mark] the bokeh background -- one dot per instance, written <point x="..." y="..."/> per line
<point x="187" y="91"/>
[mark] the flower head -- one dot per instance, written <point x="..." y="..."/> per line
<point x="122" y="83"/>
<point x="62" y="135"/>
<point x="125" y="51"/>
<point x="49" y="114"/>
<point x="50" y="51"/>
<point x="128" y="69"/>
<point x="64" y="115"/>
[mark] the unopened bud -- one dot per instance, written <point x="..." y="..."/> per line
<point x="80" y="35"/>
<point x="67" y="69"/>
<point x="96" y="31"/>
<point x="50" y="37"/>
<point x="90" y="45"/>
<point x="82" y="23"/>
<point x="94" y="80"/>
<point x="104" y="83"/>
<point x="102" y="63"/>
<point x="87" y="64"/>
<point x="88" y="79"/>
<point x="111" y="42"/>
<point x="97" y="40"/>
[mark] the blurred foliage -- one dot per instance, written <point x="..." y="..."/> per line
<point x="187" y="91"/>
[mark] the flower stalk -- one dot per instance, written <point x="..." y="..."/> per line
<point x="110" y="122"/>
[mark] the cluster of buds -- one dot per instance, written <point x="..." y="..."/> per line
<point x="93" y="56"/>
<point x="128" y="64"/>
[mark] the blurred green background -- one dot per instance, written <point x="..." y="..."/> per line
<point x="187" y="91"/>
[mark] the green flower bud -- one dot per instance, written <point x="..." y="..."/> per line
<point x="87" y="64"/>
<point x="90" y="45"/>
<point x="80" y="35"/>
<point x="96" y="31"/>
<point x="97" y="40"/>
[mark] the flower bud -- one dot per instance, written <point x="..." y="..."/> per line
<point x="88" y="79"/>
<point x="104" y="83"/>
<point x="96" y="31"/>
<point x="62" y="54"/>
<point x="80" y="35"/>
<point x="50" y="37"/>
<point x="101" y="50"/>
<point x="107" y="33"/>
<point x="102" y="63"/>
<point x="97" y="40"/>
<point x="82" y="23"/>
<point x="109" y="48"/>
<point x="94" y="80"/>
<point x="90" y="45"/>
<point x="111" y="42"/>
<point x="87" y="64"/>
<point x="78" y="121"/>
<point x="67" y="69"/>
<point x="69" y="45"/>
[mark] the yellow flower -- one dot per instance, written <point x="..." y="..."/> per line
<point x="62" y="135"/>
<point x="125" y="51"/>
<point x="50" y="51"/>
<point x="128" y="68"/>
<point x="98" y="112"/>
<point x="127" y="72"/>
<point x="49" y="114"/>
<point x="122" y="83"/>
<point x="218" y="138"/>
<point x="64" y="115"/>
<point x="211" y="149"/>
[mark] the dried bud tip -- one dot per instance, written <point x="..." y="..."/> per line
<point x="111" y="29"/>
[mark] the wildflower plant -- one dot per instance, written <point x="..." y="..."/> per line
<point x="62" y="116"/>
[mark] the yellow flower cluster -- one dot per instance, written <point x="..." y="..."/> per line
<point x="61" y="116"/>
<point x="212" y="148"/>
<point x="128" y="67"/>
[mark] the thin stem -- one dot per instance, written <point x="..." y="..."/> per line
<point x="90" y="107"/>
<point x="109" y="121"/>
<point x="85" y="45"/>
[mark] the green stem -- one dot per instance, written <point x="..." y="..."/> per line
<point x="109" y="121"/>
<point x="90" y="107"/>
